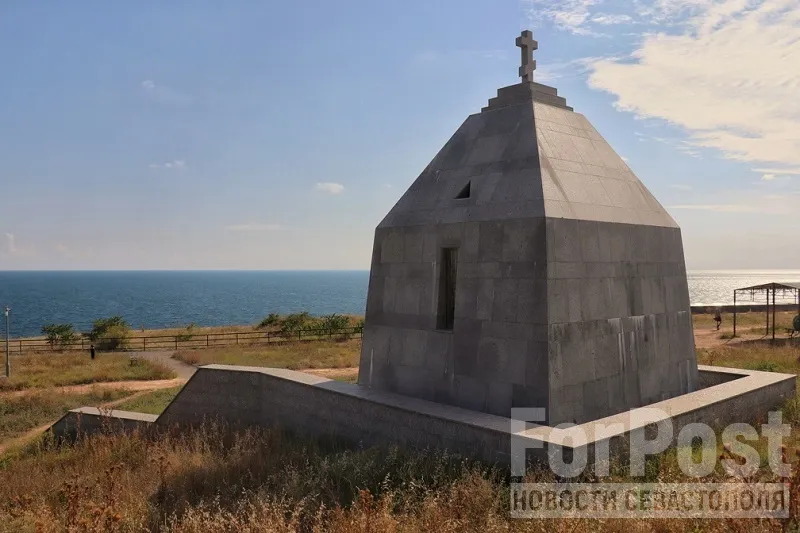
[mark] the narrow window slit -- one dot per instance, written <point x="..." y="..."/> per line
<point x="447" y="289"/>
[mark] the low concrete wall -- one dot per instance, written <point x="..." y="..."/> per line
<point x="709" y="378"/>
<point x="89" y="420"/>
<point x="318" y="406"/>
<point x="321" y="407"/>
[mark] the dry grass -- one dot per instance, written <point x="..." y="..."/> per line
<point x="209" y="480"/>
<point x="348" y="375"/>
<point x="57" y="370"/>
<point x="295" y="356"/>
<point x="745" y="321"/>
<point x="213" y="480"/>
<point x="19" y="414"/>
<point x="754" y="356"/>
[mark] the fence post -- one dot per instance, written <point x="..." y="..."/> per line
<point x="144" y="343"/>
<point x="299" y="333"/>
<point x="176" y="342"/>
<point x="206" y="341"/>
<point x="20" y="346"/>
<point x="237" y="338"/>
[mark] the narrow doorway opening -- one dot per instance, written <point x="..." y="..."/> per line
<point x="465" y="192"/>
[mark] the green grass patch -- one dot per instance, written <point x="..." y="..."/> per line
<point x="152" y="403"/>
<point x="58" y="370"/>
<point x="19" y="414"/>
<point x="295" y="356"/>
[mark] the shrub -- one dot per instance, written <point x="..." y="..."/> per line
<point x="59" y="334"/>
<point x="272" y="320"/>
<point x="766" y="366"/>
<point x="334" y="322"/>
<point x="110" y="333"/>
<point x="102" y="325"/>
<point x="294" y="322"/>
<point x="185" y="337"/>
<point x="114" y="338"/>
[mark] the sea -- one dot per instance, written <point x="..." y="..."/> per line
<point x="156" y="299"/>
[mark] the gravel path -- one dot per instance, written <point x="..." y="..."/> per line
<point x="182" y="370"/>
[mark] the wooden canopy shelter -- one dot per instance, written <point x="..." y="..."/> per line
<point x="786" y="290"/>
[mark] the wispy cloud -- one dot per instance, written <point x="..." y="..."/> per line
<point x="11" y="244"/>
<point x="330" y="188"/>
<point x="569" y="15"/>
<point x="687" y="78"/>
<point x="254" y="227"/>
<point x="682" y="187"/>
<point x="148" y="85"/>
<point x="12" y="249"/>
<point x="607" y="19"/>
<point x="768" y="177"/>
<point x="781" y="171"/>
<point x="176" y="163"/>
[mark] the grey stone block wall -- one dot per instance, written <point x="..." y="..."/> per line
<point x="620" y="327"/>
<point x="599" y="326"/>
<point x="571" y="288"/>
<point x="496" y="355"/>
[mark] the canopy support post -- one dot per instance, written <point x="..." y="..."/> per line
<point x="773" y="313"/>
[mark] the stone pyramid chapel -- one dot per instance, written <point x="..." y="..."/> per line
<point x="527" y="266"/>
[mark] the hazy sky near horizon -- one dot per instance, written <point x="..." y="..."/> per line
<point x="198" y="134"/>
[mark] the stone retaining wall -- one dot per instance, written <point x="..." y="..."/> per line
<point x="320" y="407"/>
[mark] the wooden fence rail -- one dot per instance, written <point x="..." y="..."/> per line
<point x="188" y="340"/>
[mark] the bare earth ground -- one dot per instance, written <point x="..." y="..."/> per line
<point x="750" y="327"/>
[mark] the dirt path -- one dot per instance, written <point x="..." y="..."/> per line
<point x="127" y="385"/>
<point x="332" y="373"/>
<point x="35" y="432"/>
<point x="709" y="338"/>
<point x="181" y="369"/>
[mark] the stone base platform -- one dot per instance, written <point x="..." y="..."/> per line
<point x="316" y="406"/>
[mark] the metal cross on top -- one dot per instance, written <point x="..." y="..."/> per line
<point x="527" y="43"/>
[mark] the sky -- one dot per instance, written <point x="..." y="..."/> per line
<point x="198" y="134"/>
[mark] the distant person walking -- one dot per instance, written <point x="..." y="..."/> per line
<point x="91" y="351"/>
<point x="718" y="318"/>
